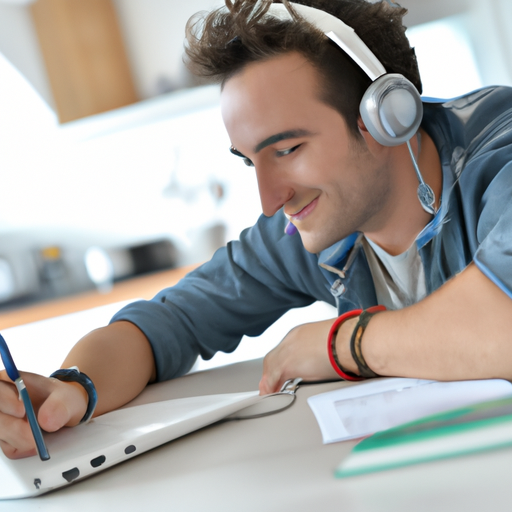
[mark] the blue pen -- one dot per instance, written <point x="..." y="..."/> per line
<point x="14" y="375"/>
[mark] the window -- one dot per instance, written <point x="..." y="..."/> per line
<point x="447" y="64"/>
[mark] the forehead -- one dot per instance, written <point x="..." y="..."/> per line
<point x="274" y="70"/>
<point x="268" y="97"/>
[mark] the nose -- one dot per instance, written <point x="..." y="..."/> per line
<point x="274" y="190"/>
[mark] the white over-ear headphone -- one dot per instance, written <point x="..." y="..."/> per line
<point x="391" y="107"/>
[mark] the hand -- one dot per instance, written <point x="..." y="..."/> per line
<point x="302" y="353"/>
<point x="57" y="404"/>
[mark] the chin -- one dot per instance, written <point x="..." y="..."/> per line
<point x="313" y="244"/>
<point x="318" y="242"/>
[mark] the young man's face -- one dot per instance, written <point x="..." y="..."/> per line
<point x="304" y="156"/>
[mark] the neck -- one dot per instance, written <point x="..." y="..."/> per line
<point x="405" y="217"/>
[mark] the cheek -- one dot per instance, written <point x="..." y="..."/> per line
<point x="321" y="165"/>
<point x="331" y="168"/>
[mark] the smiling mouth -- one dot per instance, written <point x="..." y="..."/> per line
<point x="302" y="213"/>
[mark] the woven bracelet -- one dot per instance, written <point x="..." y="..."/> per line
<point x="331" y="346"/>
<point x="357" y="338"/>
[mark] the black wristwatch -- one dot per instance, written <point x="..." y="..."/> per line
<point x="75" y="375"/>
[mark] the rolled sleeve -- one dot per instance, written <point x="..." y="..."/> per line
<point x="494" y="232"/>
<point x="246" y="287"/>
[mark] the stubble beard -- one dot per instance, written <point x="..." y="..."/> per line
<point x="361" y="209"/>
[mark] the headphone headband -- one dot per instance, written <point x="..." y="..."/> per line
<point x="391" y="107"/>
<point x="339" y="32"/>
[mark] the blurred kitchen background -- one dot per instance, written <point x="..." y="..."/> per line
<point x="114" y="161"/>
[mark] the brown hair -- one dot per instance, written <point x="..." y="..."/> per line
<point x="221" y="43"/>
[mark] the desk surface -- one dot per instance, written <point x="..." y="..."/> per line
<point x="275" y="463"/>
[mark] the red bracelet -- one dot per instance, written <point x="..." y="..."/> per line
<point x="331" y="349"/>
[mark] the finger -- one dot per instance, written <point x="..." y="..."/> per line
<point x="263" y="387"/>
<point x="53" y="414"/>
<point x="15" y="453"/>
<point x="16" y="437"/>
<point x="9" y="400"/>
<point x="38" y="387"/>
<point x="271" y="377"/>
<point x="56" y="403"/>
<point x="270" y="384"/>
<point x="4" y="376"/>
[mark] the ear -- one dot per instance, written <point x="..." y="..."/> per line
<point x="371" y="143"/>
<point x="362" y="129"/>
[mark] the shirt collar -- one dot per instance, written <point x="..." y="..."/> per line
<point x="337" y="252"/>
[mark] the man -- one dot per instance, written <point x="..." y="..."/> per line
<point x="290" y="103"/>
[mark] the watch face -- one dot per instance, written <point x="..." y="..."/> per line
<point x="7" y="283"/>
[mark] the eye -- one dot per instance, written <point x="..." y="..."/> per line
<point x="289" y="151"/>
<point x="248" y="162"/>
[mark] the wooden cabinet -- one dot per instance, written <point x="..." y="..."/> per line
<point x="85" y="56"/>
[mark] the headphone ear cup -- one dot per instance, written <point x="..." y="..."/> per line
<point x="391" y="109"/>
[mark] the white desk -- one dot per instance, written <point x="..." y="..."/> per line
<point x="276" y="463"/>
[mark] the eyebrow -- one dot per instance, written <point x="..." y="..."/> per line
<point x="289" y="134"/>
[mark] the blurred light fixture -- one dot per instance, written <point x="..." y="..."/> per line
<point x="7" y="285"/>
<point x="99" y="268"/>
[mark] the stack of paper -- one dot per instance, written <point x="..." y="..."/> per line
<point x="372" y="406"/>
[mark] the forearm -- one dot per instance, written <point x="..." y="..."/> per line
<point x="119" y="360"/>
<point x="461" y="331"/>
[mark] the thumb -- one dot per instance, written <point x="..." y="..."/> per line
<point x="64" y="406"/>
<point x="263" y="387"/>
<point x="269" y="382"/>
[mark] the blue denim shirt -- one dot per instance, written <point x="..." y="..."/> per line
<point x="253" y="281"/>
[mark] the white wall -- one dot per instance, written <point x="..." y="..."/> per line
<point x="490" y="27"/>
<point x="28" y="142"/>
<point x="154" y="31"/>
<point x="18" y="43"/>
<point x="139" y="173"/>
<point x="153" y="178"/>
<point x="116" y="180"/>
<point x="421" y="11"/>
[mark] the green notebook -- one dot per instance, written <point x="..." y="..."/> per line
<point x="471" y="429"/>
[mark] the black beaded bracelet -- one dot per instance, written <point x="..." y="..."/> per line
<point x="356" y="339"/>
<point x="74" y="375"/>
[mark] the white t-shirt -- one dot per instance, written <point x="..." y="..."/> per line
<point x="399" y="280"/>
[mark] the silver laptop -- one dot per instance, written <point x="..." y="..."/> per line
<point x="79" y="452"/>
